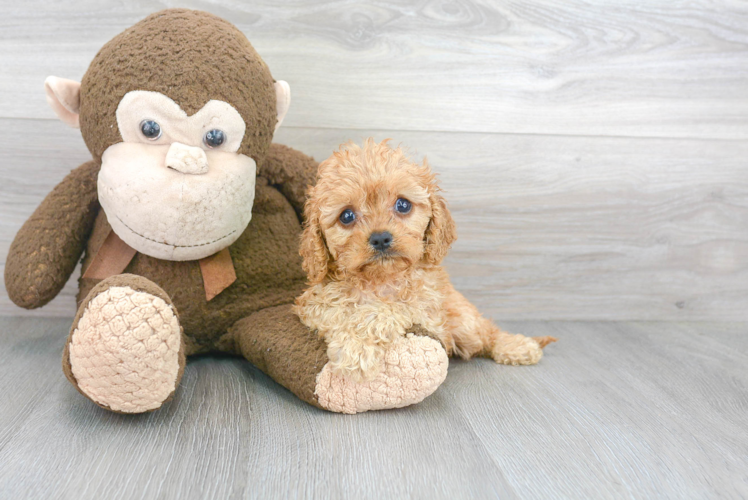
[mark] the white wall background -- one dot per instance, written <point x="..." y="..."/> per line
<point x="595" y="154"/>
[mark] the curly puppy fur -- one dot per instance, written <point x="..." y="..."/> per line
<point x="362" y="299"/>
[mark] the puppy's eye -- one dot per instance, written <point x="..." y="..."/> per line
<point x="403" y="206"/>
<point x="347" y="216"/>
<point x="214" y="138"/>
<point x="150" y="129"/>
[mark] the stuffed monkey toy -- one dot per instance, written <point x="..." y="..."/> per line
<point x="187" y="222"/>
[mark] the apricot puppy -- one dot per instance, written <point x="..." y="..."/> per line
<point x="376" y="231"/>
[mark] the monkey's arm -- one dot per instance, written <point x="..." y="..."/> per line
<point x="291" y="172"/>
<point x="46" y="249"/>
<point x="277" y="343"/>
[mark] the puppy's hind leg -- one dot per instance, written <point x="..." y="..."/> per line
<point x="475" y="335"/>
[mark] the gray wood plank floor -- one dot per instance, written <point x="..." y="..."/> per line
<point x="614" y="410"/>
<point x="595" y="160"/>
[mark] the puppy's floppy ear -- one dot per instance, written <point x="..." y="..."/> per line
<point x="314" y="254"/>
<point x="441" y="231"/>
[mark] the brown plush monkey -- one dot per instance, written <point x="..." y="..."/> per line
<point x="187" y="220"/>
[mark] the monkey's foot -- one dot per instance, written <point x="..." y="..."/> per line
<point x="515" y="349"/>
<point x="125" y="350"/>
<point x="415" y="366"/>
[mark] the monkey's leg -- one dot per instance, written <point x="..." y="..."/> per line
<point x="125" y="351"/>
<point x="277" y="343"/>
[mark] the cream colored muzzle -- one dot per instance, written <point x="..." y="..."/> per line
<point x="169" y="214"/>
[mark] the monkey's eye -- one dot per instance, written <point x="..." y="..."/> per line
<point x="214" y="138"/>
<point x="347" y="216"/>
<point x="403" y="206"/>
<point x="151" y="130"/>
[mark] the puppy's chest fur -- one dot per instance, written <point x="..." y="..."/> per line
<point x="376" y="313"/>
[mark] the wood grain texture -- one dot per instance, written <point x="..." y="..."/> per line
<point x="614" y="410"/>
<point x="579" y="227"/>
<point x="594" y="157"/>
<point x="552" y="224"/>
<point x="549" y="227"/>
<point x="666" y="69"/>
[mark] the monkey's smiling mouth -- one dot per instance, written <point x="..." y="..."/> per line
<point x="186" y="218"/>
<point x="172" y="244"/>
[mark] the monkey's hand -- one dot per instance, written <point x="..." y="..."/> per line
<point x="291" y="171"/>
<point x="48" y="246"/>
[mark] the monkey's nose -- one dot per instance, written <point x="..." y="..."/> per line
<point x="187" y="159"/>
<point x="381" y="241"/>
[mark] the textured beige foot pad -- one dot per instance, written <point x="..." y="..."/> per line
<point x="414" y="367"/>
<point x="124" y="353"/>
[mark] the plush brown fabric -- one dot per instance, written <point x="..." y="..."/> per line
<point x="137" y="283"/>
<point x="291" y="172"/>
<point x="197" y="57"/>
<point x="266" y="260"/>
<point x="46" y="249"/>
<point x="275" y="341"/>
<point x="191" y="57"/>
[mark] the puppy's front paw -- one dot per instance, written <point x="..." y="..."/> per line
<point x="516" y="350"/>
<point x="356" y="361"/>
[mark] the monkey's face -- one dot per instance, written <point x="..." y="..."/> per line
<point x="178" y="109"/>
<point x="176" y="188"/>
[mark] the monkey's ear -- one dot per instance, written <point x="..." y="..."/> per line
<point x="282" y="101"/>
<point x="64" y="96"/>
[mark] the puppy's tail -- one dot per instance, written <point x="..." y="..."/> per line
<point x="544" y="341"/>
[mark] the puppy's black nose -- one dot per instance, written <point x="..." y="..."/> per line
<point x="380" y="241"/>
